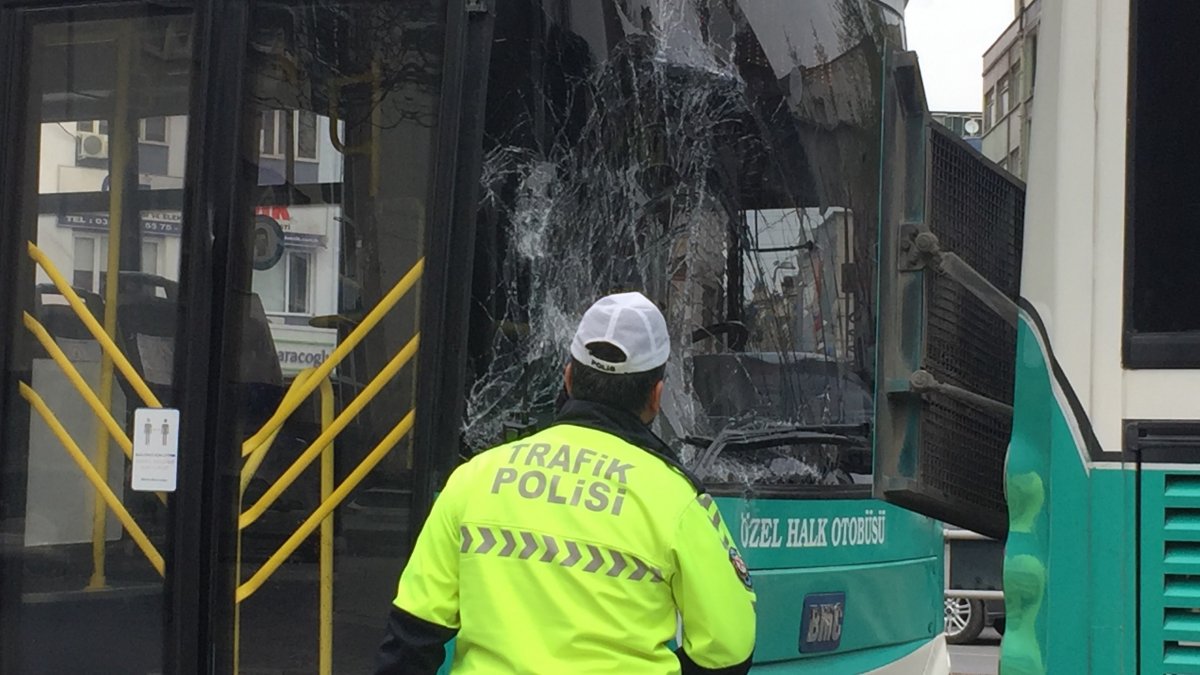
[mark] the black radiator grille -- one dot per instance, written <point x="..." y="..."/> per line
<point x="977" y="212"/>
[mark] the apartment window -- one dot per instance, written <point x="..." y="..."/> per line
<point x="273" y="138"/>
<point x="298" y="283"/>
<point x="1015" y="78"/>
<point x="271" y="142"/>
<point x="150" y="129"/>
<point x="90" y="261"/>
<point x="153" y="130"/>
<point x="306" y="135"/>
<point x="1032" y="61"/>
<point x="150" y="257"/>
<point x="85" y="264"/>
<point x="989" y="109"/>
<point x="286" y="288"/>
<point x="93" y="126"/>
<point x="1002" y="93"/>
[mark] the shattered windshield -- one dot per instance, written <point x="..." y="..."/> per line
<point x="720" y="156"/>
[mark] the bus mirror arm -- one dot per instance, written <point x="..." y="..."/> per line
<point x="923" y="381"/>
<point x="950" y="264"/>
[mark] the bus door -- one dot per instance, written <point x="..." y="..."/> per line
<point x="345" y="120"/>
<point x="223" y="242"/>
<point x="94" y="173"/>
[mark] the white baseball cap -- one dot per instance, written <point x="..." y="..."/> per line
<point x="629" y="322"/>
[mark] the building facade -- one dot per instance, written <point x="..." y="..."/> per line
<point x="967" y="125"/>
<point x="1009" y="73"/>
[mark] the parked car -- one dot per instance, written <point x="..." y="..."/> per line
<point x="975" y="563"/>
<point x="967" y="618"/>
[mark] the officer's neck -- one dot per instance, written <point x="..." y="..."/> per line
<point x="575" y="408"/>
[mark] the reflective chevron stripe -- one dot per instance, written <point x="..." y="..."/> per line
<point x="489" y="540"/>
<point x="618" y="564"/>
<point x="530" y="545"/>
<point x="572" y="554"/>
<point x="640" y="570"/>
<point x="510" y="544"/>
<point x="551" y="550"/>
<point x="707" y="503"/>
<point x="525" y="545"/>
<point x="597" y="559"/>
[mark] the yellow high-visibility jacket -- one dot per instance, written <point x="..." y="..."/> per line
<point x="574" y="551"/>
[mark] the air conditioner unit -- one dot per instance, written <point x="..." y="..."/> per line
<point x="92" y="146"/>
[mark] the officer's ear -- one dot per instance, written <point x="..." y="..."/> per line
<point x="567" y="377"/>
<point x="654" y="405"/>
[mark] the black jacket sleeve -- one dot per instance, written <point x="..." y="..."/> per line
<point x="690" y="667"/>
<point x="413" y="646"/>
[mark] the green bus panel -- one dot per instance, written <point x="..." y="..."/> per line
<point x="887" y="561"/>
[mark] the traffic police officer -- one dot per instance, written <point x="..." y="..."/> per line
<point x="579" y="549"/>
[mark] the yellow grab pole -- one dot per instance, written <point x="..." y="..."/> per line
<point x="94" y="327"/>
<point x="360" y="331"/>
<point x="356" y="406"/>
<point x="306" y="529"/>
<point x="325" y="638"/>
<point x="89" y="471"/>
<point x="81" y="385"/>
<point x="118" y="170"/>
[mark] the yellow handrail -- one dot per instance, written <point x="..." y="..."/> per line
<point x="260" y="453"/>
<point x="97" y="481"/>
<point x="292" y="399"/>
<point x="95" y="328"/>
<point x="81" y="385"/>
<point x="335" y="88"/>
<point x="255" y="461"/>
<point x="322" y="371"/>
<point x="56" y="353"/>
<point x="356" y="406"/>
<point x="257" y="446"/>
<point x="327" y="506"/>
<point x="325" y="620"/>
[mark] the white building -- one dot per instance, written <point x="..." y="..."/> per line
<point x="1009" y="73"/>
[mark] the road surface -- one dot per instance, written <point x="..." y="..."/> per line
<point x="980" y="658"/>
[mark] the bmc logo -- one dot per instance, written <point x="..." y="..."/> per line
<point x="821" y="622"/>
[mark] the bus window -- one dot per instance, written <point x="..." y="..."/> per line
<point x="720" y="158"/>
<point x="1162" y="317"/>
